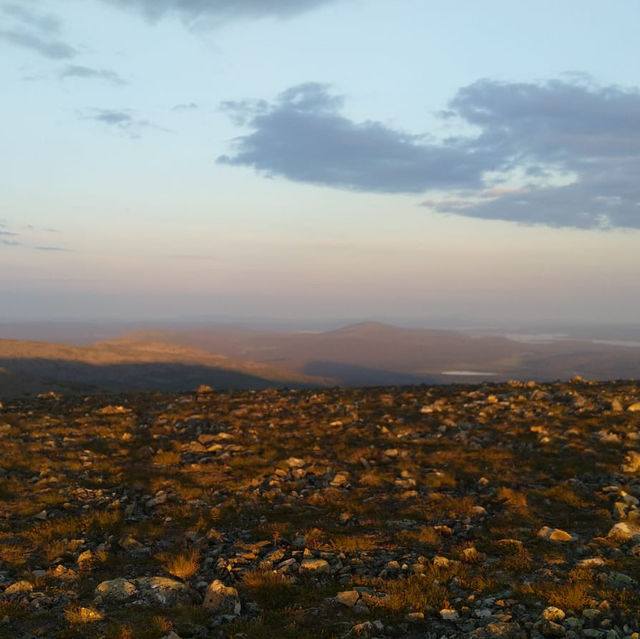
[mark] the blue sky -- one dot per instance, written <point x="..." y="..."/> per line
<point x="409" y="161"/>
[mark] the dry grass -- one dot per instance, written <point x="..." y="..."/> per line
<point x="182" y="565"/>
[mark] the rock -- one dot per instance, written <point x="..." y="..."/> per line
<point x="449" y="614"/>
<point x="624" y="531"/>
<point x="632" y="462"/>
<point x="204" y="389"/>
<point x="160" y="498"/>
<point x="113" y="410"/>
<point x="341" y="479"/>
<point x="115" y="590"/>
<point x="161" y="590"/>
<point x="316" y="566"/>
<point x="634" y="408"/>
<point x="615" y="405"/>
<point x="348" y="598"/>
<point x="551" y="613"/>
<point x="221" y="599"/>
<point x="551" y="629"/>
<point x="85" y="560"/>
<point x="555" y="534"/>
<point x="295" y="462"/>
<point x="20" y="587"/>
<point x="591" y="562"/>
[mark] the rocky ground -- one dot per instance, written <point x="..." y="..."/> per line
<point x="504" y="510"/>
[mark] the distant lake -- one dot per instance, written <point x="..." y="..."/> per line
<point x="478" y="373"/>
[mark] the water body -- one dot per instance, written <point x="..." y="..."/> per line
<point x="475" y="373"/>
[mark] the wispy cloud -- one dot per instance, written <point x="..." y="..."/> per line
<point x="56" y="249"/>
<point x="48" y="48"/>
<point x="89" y="73"/>
<point x="121" y="120"/>
<point x="212" y="12"/>
<point x="37" y="32"/>
<point x="575" y="146"/>
<point x="45" y="23"/>
<point x="191" y="106"/>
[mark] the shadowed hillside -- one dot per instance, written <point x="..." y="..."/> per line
<point x="32" y="367"/>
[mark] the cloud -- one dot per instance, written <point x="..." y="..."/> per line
<point x="46" y="47"/>
<point x="212" y="12"/>
<point x="560" y="153"/>
<point x="587" y="132"/>
<point x="35" y="31"/>
<point x="56" y="249"/>
<point x="79" y="71"/>
<point x="7" y="232"/>
<point x="191" y="106"/>
<point x="303" y="137"/>
<point x="122" y="120"/>
<point x="10" y="242"/>
<point x="42" y="22"/>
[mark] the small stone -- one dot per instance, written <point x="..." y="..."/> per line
<point x="552" y="629"/>
<point x="554" y="534"/>
<point x="348" y="598"/>
<point x="551" y="613"/>
<point x="317" y="566"/>
<point x="632" y="461"/>
<point x="20" y="587"/>
<point x="449" y="614"/>
<point x="634" y="408"/>
<point x="160" y="498"/>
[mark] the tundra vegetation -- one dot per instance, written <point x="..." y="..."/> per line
<point x="494" y="510"/>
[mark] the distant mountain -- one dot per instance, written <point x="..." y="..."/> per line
<point x="373" y="353"/>
<point x="365" y="354"/>
<point x="32" y="367"/>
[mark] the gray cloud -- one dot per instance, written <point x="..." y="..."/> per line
<point x="79" y="71"/>
<point x="121" y="120"/>
<point x="211" y="12"/>
<point x="55" y="249"/>
<point x="191" y="106"/>
<point x="591" y="133"/>
<point x="10" y="242"/>
<point x="46" y="47"/>
<point x="303" y="137"/>
<point x="7" y="232"/>
<point x="575" y="146"/>
<point x="41" y="22"/>
<point x="35" y="31"/>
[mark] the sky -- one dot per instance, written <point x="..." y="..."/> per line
<point x="418" y="162"/>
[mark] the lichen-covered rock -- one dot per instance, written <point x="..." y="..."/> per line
<point x="115" y="590"/>
<point x="161" y="590"/>
<point x="221" y="599"/>
<point x="316" y="566"/>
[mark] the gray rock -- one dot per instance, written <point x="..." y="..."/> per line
<point x="163" y="591"/>
<point x="316" y="566"/>
<point x="115" y="590"/>
<point x="221" y="599"/>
